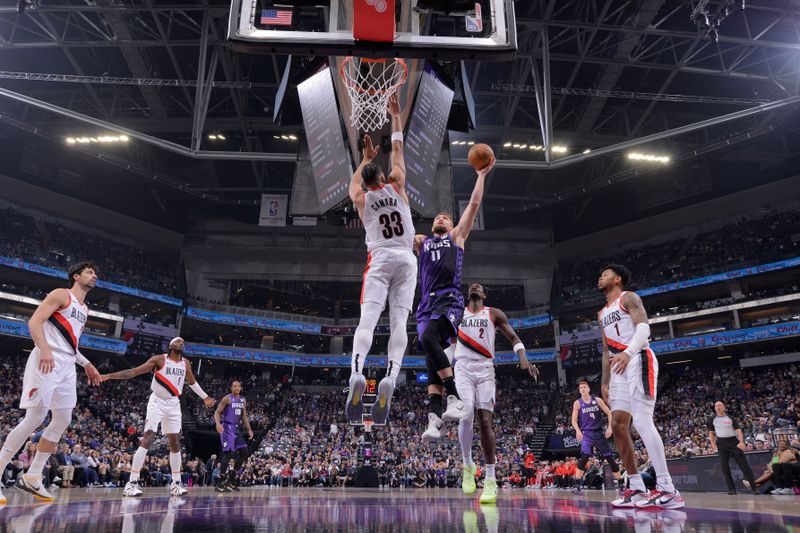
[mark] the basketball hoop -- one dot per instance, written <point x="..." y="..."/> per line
<point x="368" y="425"/>
<point x="370" y="83"/>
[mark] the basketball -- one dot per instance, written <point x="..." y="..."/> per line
<point x="480" y="155"/>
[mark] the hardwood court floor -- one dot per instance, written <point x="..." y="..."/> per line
<point x="409" y="510"/>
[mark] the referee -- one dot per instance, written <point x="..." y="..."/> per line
<point x="726" y="436"/>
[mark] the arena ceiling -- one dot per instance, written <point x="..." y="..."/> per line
<point x="617" y="71"/>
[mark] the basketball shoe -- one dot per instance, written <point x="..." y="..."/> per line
<point x="222" y="486"/>
<point x="176" y="488"/>
<point x="33" y="484"/>
<point x="489" y="494"/>
<point x="435" y="425"/>
<point x="630" y="499"/>
<point x="132" y="489"/>
<point x="661" y="499"/>
<point x="455" y="409"/>
<point x="355" y="407"/>
<point x="380" y="409"/>
<point x="468" y="485"/>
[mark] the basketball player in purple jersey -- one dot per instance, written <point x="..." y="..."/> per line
<point x="232" y="410"/>
<point x="441" y="307"/>
<point x="588" y="424"/>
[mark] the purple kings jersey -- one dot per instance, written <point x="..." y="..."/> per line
<point x="590" y="416"/>
<point x="233" y="411"/>
<point x="440" y="261"/>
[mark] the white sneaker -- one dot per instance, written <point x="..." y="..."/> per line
<point x="177" y="488"/>
<point x="661" y="499"/>
<point x="630" y="499"/>
<point x="33" y="484"/>
<point x="455" y="409"/>
<point x="435" y="424"/>
<point x="132" y="489"/>
<point x="355" y="406"/>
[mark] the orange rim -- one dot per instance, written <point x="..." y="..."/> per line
<point x="358" y="88"/>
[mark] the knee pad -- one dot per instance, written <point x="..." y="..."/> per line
<point x="59" y="422"/>
<point x="582" y="460"/>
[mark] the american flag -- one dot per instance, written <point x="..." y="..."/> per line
<point x="276" y="17"/>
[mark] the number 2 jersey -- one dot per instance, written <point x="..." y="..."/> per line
<point x="387" y="219"/>
<point x="476" y="335"/>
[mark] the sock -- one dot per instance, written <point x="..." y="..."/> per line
<point x="435" y="404"/>
<point x="6" y="455"/>
<point x="636" y="482"/>
<point x="175" y="465"/>
<point x="643" y="422"/>
<point x="450" y="386"/>
<point x="398" y="340"/>
<point x="137" y="463"/>
<point x="37" y="465"/>
<point x="489" y="472"/>
<point x="362" y="340"/>
<point x="465" y="435"/>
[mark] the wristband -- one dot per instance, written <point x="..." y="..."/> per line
<point x="81" y="359"/>
<point x="519" y="346"/>
<point x="397" y="136"/>
<point x="198" y="390"/>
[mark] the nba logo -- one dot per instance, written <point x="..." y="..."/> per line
<point x="475" y="24"/>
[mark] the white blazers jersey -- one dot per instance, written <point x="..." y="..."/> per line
<point x="387" y="219"/>
<point x="476" y="335"/>
<point x="168" y="380"/>
<point x="618" y="328"/>
<point x="64" y="327"/>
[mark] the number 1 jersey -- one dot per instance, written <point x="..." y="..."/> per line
<point x="387" y="219"/>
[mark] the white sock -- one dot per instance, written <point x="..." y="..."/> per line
<point x="398" y="340"/>
<point x="37" y="465"/>
<point x="643" y="422"/>
<point x="489" y="472"/>
<point x="137" y="463"/>
<point x="362" y="340"/>
<point x="175" y="465"/>
<point x="465" y="435"/>
<point x="6" y="455"/>
<point x="636" y="482"/>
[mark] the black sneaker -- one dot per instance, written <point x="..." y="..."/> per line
<point x="221" y="487"/>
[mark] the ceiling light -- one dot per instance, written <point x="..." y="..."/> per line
<point x="515" y="145"/>
<point x="70" y="140"/>
<point x="471" y="143"/>
<point x="104" y="139"/>
<point x="679" y="362"/>
<point x="651" y="158"/>
<point x="276" y="136"/>
<point x="523" y="146"/>
<point x="212" y="136"/>
<point x="506" y="145"/>
<point x="285" y="137"/>
<point x="587" y="151"/>
<point x="220" y="136"/>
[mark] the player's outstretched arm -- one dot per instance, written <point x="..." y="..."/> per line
<point x="356" y="182"/>
<point x="418" y="240"/>
<point x="53" y="302"/>
<point x="397" y="175"/>
<point x="91" y="371"/>
<point x="196" y="388"/>
<point x="462" y="231"/>
<point x="218" y="412"/>
<point x="501" y="321"/>
<point x="154" y="363"/>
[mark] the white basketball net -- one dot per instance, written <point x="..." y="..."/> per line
<point x="370" y="83"/>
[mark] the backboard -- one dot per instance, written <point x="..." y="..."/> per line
<point x="326" y="27"/>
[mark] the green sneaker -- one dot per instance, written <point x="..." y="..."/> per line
<point x="468" y="480"/>
<point x="489" y="494"/>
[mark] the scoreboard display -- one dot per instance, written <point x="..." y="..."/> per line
<point x="370" y="392"/>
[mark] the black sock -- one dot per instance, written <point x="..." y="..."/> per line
<point x="436" y="404"/>
<point x="450" y="387"/>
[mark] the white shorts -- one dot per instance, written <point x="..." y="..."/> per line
<point x="390" y="272"/>
<point x="55" y="390"/>
<point x="475" y="383"/>
<point x="635" y="389"/>
<point x="164" y="412"/>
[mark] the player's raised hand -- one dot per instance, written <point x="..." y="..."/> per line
<point x="370" y="151"/>
<point x="394" y="105"/>
<point x="210" y="402"/>
<point x="488" y="168"/>
<point x="95" y="379"/>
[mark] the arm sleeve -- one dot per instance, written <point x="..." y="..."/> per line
<point x="640" y="337"/>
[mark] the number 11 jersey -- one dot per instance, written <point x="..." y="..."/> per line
<point x="387" y="219"/>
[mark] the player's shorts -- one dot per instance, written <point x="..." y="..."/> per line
<point x="476" y="383"/>
<point x="635" y="389"/>
<point x="55" y="390"/>
<point x="231" y="438"/>
<point x="594" y="440"/>
<point x="392" y="273"/>
<point x="164" y="412"/>
<point x="449" y="304"/>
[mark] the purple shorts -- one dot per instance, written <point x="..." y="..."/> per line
<point x="449" y="305"/>
<point x="231" y="438"/>
<point x="595" y="440"/>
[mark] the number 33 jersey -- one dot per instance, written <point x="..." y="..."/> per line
<point x="476" y="335"/>
<point x="387" y="219"/>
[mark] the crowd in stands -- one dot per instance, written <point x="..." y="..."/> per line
<point x="749" y="240"/>
<point x="44" y="242"/>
